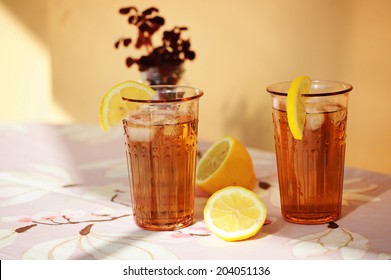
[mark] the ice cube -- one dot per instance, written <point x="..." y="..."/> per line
<point x="314" y="121"/>
<point x="331" y="108"/>
<point x="147" y="108"/>
<point x="341" y="116"/>
<point x="141" y="134"/>
<point x="164" y="117"/>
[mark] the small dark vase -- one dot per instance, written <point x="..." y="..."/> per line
<point x="167" y="75"/>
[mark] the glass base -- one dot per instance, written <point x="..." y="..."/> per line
<point x="164" y="224"/>
<point x="312" y="218"/>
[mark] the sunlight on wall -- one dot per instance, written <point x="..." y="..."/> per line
<point x="25" y="72"/>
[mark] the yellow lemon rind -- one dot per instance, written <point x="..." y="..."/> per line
<point x="295" y="105"/>
<point x="113" y="111"/>
<point x="236" y="169"/>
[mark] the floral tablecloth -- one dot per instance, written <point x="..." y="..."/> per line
<point x="64" y="195"/>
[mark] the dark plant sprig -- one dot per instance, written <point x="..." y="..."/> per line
<point x="171" y="53"/>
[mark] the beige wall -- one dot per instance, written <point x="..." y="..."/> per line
<point x="57" y="59"/>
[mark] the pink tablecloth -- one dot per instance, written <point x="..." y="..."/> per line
<point x="64" y="195"/>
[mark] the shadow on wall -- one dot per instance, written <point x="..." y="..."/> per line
<point x="32" y="15"/>
<point x="248" y="123"/>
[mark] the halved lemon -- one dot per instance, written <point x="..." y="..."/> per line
<point x="112" y="107"/>
<point x="234" y="213"/>
<point x="295" y="105"/>
<point x="226" y="163"/>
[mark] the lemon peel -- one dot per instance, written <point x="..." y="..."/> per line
<point x="113" y="108"/>
<point x="295" y="105"/>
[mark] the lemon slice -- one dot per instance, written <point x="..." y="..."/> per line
<point x="226" y="163"/>
<point x="234" y="213"/>
<point x="113" y="108"/>
<point x="295" y="105"/>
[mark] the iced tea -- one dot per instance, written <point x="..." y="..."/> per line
<point x="161" y="148"/>
<point x="311" y="170"/>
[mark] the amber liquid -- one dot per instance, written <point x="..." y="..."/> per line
<point x="310" y="171"/>
<point x="161" y="161"/>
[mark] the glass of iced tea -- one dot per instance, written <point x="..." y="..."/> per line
<point x="161" y="148"/>
<point x="311" y="170"/>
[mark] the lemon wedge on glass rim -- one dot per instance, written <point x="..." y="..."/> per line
<point x="226" y="163"/>
<point x="295" y="105"/>
<point x="234" y="213"/>
<point x="113" y="109"/>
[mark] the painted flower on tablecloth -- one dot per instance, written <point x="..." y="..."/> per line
<point x="65" y="217"/>
<point x="87" y="243"/>
<point x="358" y="194"/>
<point x="97" y="245"/>
<point x="18" y="187"/>
<point x="69" y="216"/>
<point x="46" y="217"/>
<point x="195" y="231"/>
<point x="351" y="245"/>
<point x="8" y="236"/>
<point x="92" y="244"/>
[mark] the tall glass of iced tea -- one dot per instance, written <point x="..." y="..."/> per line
<point x="311" y="170"/>
<point x="161" y="148"/>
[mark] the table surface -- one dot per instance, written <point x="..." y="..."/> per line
<point x="64" y="195"/>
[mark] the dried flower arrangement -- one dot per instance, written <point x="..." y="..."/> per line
<point x="166" y="59"/>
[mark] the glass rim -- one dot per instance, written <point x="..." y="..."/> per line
<point x="197" y="94"/>
<point x="318" y="87"/>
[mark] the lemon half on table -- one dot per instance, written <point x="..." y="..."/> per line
<point x="234" y="213"/>
<point x="226" y="163"/>
<point x="113" y="109"/>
